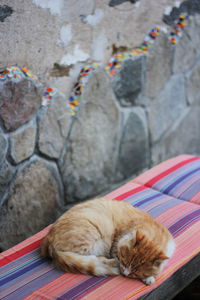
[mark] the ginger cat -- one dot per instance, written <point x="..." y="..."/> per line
<point x="106" y="237"/>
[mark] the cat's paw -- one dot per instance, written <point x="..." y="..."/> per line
<point x="149" y="280"/>
<point x="115" y="271"/>
<point x="112" y="262"/>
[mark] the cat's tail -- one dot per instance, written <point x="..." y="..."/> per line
<point x="46" y="248"/>
<point x="86" y="264"/>
<point x="77" y="263"/>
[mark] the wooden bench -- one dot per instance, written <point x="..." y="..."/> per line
<point x="170" y="192"/>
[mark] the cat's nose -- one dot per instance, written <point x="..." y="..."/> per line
<point x="125" y="271"/>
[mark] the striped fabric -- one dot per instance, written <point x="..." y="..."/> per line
<point x="170" y="192"/>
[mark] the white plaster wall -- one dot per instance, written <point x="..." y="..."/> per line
<point x="40" y="33"/>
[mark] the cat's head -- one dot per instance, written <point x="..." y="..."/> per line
<point x="139" y="257"/>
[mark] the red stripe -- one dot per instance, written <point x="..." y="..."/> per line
<point x="6" y="260"/>
<point x="131" y="192"/>
<point x="151" y="182"/>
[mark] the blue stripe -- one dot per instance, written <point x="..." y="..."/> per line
<point x="179" y="180"/>
<point x="169" y="179"/>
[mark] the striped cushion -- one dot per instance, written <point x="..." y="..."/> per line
<point x="169" y="192"/>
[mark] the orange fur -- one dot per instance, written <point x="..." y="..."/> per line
<point x="107" y="237"/>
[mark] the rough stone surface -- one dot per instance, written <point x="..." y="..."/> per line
<point x="159" y="64"/>
<point x="88" y="166"/>
<point x="187" y="49"/>
<point x="128" y="81"/>
<point x="18" y="102"/>
<point x="183" y="137"/>
<point x="23" y="143"/>
<point x="31" y="205"/>
<point x="6" y="173"/>
<point x="190" y="7"/>
<point x="196" y="32"/>
<point x="124" y="25"/>
<point x="3" y="148"/>
<point x="167" y="107"/>
<point x="5" y="11"/>
<point x="134" y="144"/>
<point x="193" y="89"/>
<point x="54" y="127"/>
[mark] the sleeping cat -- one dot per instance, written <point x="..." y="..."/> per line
<point x="106" y="237"/>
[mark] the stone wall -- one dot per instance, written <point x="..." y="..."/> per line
<point x="127" y="112"/>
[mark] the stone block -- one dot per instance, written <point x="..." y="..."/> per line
<point x="158" y="65"/>
<point x="19" y="101"/>
<point x="134" y="144"/>
<point x="182" y="138"/>
<point x="88" y="166"/>
<point x="23" y="143"/>
<point x="32" y="203"/>
<point x="54" y="127"/>
<point x="6" y="173"/>
<point x="187" y="49"/>
<point x="128" y="81"/>
<point x="167" y="107"/>
<point x="3" y="148"/>
<point x="193" y="87"/>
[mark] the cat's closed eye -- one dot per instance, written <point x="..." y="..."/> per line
<point x="157" y="263"/>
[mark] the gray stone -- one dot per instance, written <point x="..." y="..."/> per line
<point x="23" y="143"/>
<point x="19" y="101"/>
<point x="134" y="144"/>
<point x="193" y="88"/>
<point x="88" y="166"/>
<point x="32" y="204"/>
<point x="196" y="27"/>
<point x="187" y="49"/>
<point x="182" y="138"/>
<point x="190" y="7"/>
<point x="167" y="107"/>
<point x="5" y="11"/>
<point x="3" y="148"/>
<point x="128" y="81"/>
<point x="158" y="67"/>
<point x="6" y="173"/>
<point x="54" y="127"/>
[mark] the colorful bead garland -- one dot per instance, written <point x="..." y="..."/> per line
<point x="47" y="95"/>
<point x="75" y="97"/>
<point x="115" y="62"/>
<point x="16" y="73"/>
<point x="179" y="25"/>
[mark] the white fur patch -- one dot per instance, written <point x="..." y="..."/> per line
<point x="126" y="271"/>
<point x="170" y="248"/>
<point x="98" y="248"/>
<point x="126" y="238"/>
<point x="149" y="280"/>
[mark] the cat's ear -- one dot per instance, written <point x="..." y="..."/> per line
<point x="160" y="259"/>
<point x="162" y="256"/>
